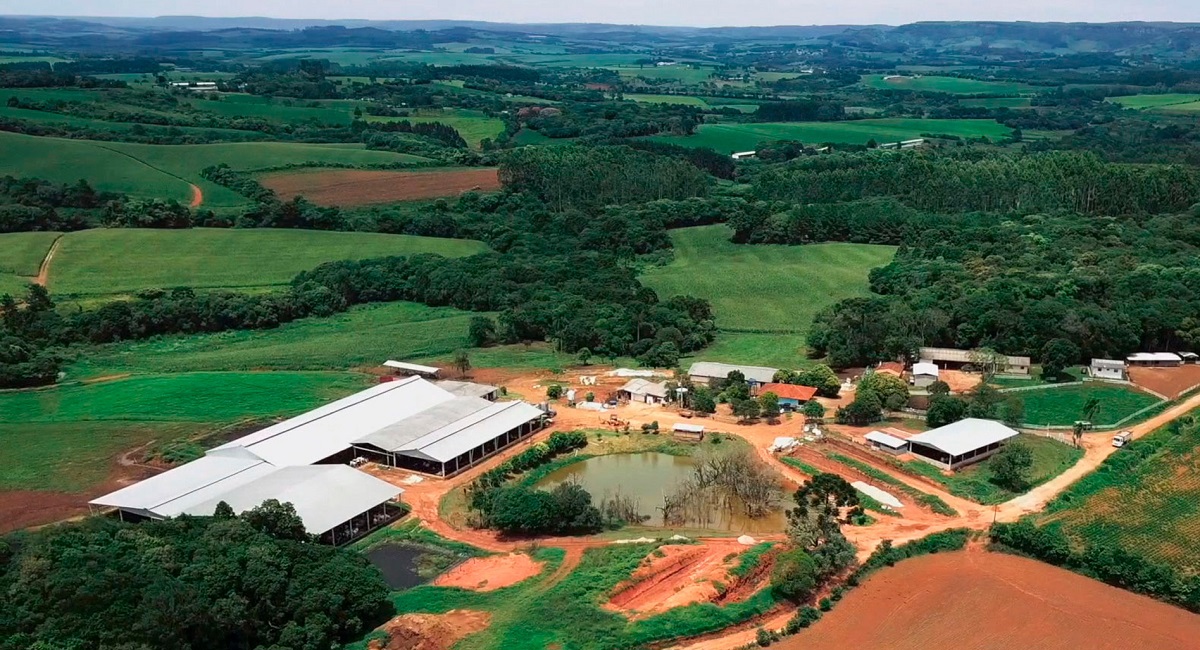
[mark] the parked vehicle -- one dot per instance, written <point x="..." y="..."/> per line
<point x="1123" y="438"/>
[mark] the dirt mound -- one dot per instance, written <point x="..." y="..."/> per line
<point x="490" y="573"/>
<point x="986" y="601"/>
<point x="431" y="631"/>
<point x="348" y="187"/>
<point x="679" y="575"/>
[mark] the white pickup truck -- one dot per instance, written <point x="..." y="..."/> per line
<point x="1123" y="438"/>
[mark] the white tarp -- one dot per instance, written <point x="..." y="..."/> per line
<point x="784" y="443"/>
<point x="589" y="406"/>
<point x="630" y="372"/>
<point x="878" y="494"/>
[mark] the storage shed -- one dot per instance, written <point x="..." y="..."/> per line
<point x="688" y="432"/>
<point x="887" y="442"/>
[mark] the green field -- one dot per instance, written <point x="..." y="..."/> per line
<point x="1063" y="405"/>
<point x="165" y="171"/>
<point x="997" y="102"/>
<point x="1144" y="499"/>
<point x="952" y="85"/>
<point x="680" y="73"/>
<point x="759" y="289"/>
<point x="121" y="261"/>
<point x="21" y="255"/>
<point x="678" y="100"/>
<point x="1050" y="458"/>
<point x="472" y="127"/>
<point x="1165" y="101"/>
<point x="746" y="137"/>
<point x="65" y="438"/>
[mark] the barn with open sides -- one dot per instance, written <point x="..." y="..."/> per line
<point x="952" y="359"/>
<point x="960" y="443"/>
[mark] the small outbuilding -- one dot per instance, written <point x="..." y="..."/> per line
<point x="1107" y="369"/>
<point x="642" y="390"/>
<point x="405" y="369"/>
<point x="687" y="432"/>
<point x="1155" y="359"/>
<point x="1190" y="357"/>
<point x="791" y="396"/>
<point x="924" y="374"/>
<point x="960" y="443"/>
<point x="887" y="443"/>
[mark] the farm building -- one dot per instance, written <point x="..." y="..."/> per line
<point x="1190" y="357"/>
<point x="403" y="369"/>
<point x="887" y="442"/>
<point x="642" y="390"/>
<point x="744" y="155"/>
<point x="704" y="372"/>
<point x="894" y="368"/>
<point x="960" y="443"/>
<point x="924" y="374"/>
<point x="791" y="396"/>
<point x="688" y="432"/>
<point x="470" y="389"/>
<point x="1155" y="359"/>
<point x="1107" y="369"/>
<point x="410" y="423"/>
<point x="952" y="359"/>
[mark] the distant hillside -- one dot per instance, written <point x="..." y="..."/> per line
<point x="1169" y="39"/>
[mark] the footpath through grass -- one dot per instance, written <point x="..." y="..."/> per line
<point x="763" y="289"/>
<point x="1050" y="458"/>
<point x="67" y="437"/>
<point x="125" y="260"/>
<point x="21" y="255"/>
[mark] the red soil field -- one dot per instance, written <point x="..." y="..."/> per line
<point x="349" y="187"/>
<point x="430" y="631"/>
<point x="490" y="573"/>
<point x="1171" y="382"/>
<point x="976" y="600"/>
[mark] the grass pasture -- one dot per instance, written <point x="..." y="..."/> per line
<point x="1063" y="404"/>
<point x="21" y="255"/>
<point x="761" y="292"/>
<point x="952" y="85"/>
<point x="121" y="261"/>
<point x="1050" y="458"/>
<point x="745" y="137"/>
<point x="678" y="100"/>
<point x="1160" y="102"/>
<point x="1144" y="499"/>
<point x="64" y="438"/>
<point x="474" y="128"/>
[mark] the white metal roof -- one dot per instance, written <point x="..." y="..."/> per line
<point x="1113" y="364"/>
<point x="173" y="491"/>
<point x="886" y="439"/>
<point x="923" y="368"/>
<point x="466" y="388"/>
<point x="963" y="436"/>
<point x="398" y="435"/>
<point x="456" y="439"/>
<point x="758" y="374"/>
<point x="645" y="387"/>
<point x="1155" y="356"/>
<point x="687" y="428"/>
<point x="324" y="495"/>
<point x="412" y="367"/>
<point x="961" y="356"/>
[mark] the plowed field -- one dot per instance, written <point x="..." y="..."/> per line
<point x="985" y="601"/>
<point x="349" y="187"/>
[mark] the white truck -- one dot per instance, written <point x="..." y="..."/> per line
<point x="1122" y="439"/>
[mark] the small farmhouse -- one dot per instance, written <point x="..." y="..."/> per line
<point x="704" y="372"/>
<point x="642" y="390"/>
<point x="1107" y="369"/>
<point x="961" y="443"/>
<point x="1155" y="359"/>
<point x="924" y="374"/>
<point x="791" y="396"/>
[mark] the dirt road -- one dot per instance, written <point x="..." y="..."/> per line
<point x="197" y="196"/>
<point x="43" y="275"/>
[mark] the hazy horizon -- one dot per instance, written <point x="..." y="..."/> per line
<point x="693" y="13"/>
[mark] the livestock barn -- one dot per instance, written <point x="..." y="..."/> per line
<point x="952" y="359"/>
<point x="1155" y="359"/>
<point x="705" y="372"/>
<point x="960" y="443"/>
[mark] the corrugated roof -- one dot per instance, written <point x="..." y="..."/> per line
<point x="891" y="367"/>
<point x="1155" y="356"/>
<point x="466" y="388"/>
<point x="645" y="387"/>
<point x="930" y="369"/>
<point x="790" y="391"/>
<point x="412" y="367"/>
<point x="173" y="491"/>
<point x="687" y="428"/>
<point x="1112" y="364"/>
<point x="324" y="495"/>
<point x="886" y="439"/>
<point x="962" y="356"/>
<point x="456" y="439"/>
<point x="398" y="435"/>
<point x="965" y="435"/>
<point x="758" y="374"/>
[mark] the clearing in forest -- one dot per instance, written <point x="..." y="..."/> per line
<point x="728" y="137"/>
<point x="352" y="187"/>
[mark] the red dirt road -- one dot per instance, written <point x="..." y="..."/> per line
<point x="347" y="187"/>
<point x="197" y="196"/>
<point x="976" y="600"/>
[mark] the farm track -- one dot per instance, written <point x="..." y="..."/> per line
<point x="43" y="275"/>
<point x="197" y="195"/>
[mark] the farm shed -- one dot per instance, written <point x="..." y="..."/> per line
<point x="960" y="443"/>
<point x="642" y="390"/>
<point x="1107" y="369"/>
<point x="1190" y="357"/>
<point x="952" y="359"/>
<point x="688" y="432"/>
<point x="744" y="155"/>
<point x="924" y="374"/>
<point x="791" y="396"/>
<point x="887" y="442"/>
<point x="470" y="389"/>
<point x="1155" y="359"/>
<point x="704" y="372"/>
<point x="404" y="368"/>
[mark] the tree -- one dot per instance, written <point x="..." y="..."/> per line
<point x="745" y="409"/>
<point x="462" y="362"/>
<point x="813" y="411"/>
<point x="1014" y="411"/>
<point x="590" y="397"/>
<point x="794" y="576"/>
<point x="1090" y="409"/>
<point x="1010" y="467"/>
<point x="938" y="387"/>
<point x="944" y="410"/>
<point x="554" y="391"/>
<point x="482" y="331"/>
<point x="887" y="386"/>
<point x="584" y="356"/>
<point x="988" y="361"/>
<point x="983" y="402"/>
<point x="865" y="409"/>
<point x="829" y="492"/>
<point x="279" y="520"/>
<point x="703" y="401"/>
<point x="735" y="387"/>
<point x="1057" y="354"/>
<point x="1077" y="433"/>
<point x="768" y="404"/>
<point x="224" y="511"/>
<point x="820" y="377"/>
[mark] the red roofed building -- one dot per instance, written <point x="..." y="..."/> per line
<point x="790" y="395"/>
<point x="891" y="368"/>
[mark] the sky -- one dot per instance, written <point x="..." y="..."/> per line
<point x="705" y="13"/>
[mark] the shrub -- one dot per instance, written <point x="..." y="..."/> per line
<point x="794" y="576"/>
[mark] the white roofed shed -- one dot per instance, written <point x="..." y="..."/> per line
<point x="960" y="443"/>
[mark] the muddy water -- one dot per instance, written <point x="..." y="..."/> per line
<point x="648" y="478"/>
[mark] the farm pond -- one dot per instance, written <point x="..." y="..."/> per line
<point x="648" y="479"/>
<point x="405" y="566"/>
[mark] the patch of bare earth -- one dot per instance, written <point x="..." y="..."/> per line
<point x="679" y="575"/>
<point x="348" y="187"/>
<point x="431" y="631"/>
<point x="490" y="573"/>
<point x="1171" y="382"/>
